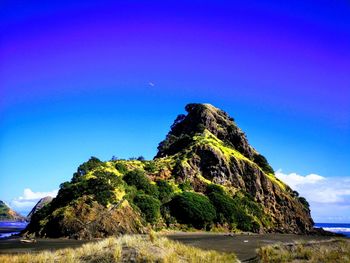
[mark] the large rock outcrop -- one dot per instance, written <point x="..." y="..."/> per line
<point x="209" y="146"/>
<point x="204" y="168"/>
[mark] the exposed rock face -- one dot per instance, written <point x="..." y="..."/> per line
<point x="209" y="144"/>
<point x="86" y="219"/>
<point x="40" y="204"/>
<point x="7" y="214"/>
<point x="205" y="116"/>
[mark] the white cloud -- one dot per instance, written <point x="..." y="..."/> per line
<point x="28" y="194"/>
<point x="329" y="197"/>
<point x="294" y="180"/>
<point x="28" y="200"/>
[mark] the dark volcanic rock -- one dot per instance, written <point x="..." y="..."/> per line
<point x="200" y="117"/>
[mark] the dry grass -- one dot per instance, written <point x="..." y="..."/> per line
<point x="325" y="252"/>
<point x="125" y="249"/>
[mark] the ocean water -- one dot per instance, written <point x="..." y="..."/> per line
<point x="336" y="228"/>
<point x="11" y="228"/>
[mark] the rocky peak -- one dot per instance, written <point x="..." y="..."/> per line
<point x="202" y="117"/>
<point x="40" y="204"/>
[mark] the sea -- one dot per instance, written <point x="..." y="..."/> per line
<point x="339" y="228"/>
<point x="8" y="229"/>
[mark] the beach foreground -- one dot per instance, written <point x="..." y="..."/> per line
<point x="337" y="250"/>
<point x="190" y="246"/>
<point x="126" y="248"/>
<point x="243" y="245"/>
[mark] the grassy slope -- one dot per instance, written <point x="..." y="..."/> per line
<point x="168" y="163"/>
<point x="325" y="252"/>
<point x="126" y="249"/>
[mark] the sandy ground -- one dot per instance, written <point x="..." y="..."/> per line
<point x="14" y="245"/>
<point x="244" y="245"/>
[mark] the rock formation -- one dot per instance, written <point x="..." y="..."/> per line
<point x="204" y="168"/>
<point x="210" y="145"/>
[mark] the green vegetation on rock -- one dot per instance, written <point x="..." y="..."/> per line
<point x="149" y="206"/>
<point x="192" y="209"/>
<point x="139" y="179"/>
<point x="205" y="175"/>
<point x="166" y="191"/>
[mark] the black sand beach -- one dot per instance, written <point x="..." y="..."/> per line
<point x="243" y="245"/>
<point x="14" y="245"/>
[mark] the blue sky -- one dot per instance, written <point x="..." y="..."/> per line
<point x="75" y="82"/>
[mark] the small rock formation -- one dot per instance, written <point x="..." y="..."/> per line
<point x="7" y="214"/>
<point x="40" y="204"/>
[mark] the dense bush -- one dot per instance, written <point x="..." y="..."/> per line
<point x="246" y="222"/>
<point x="240" y="210"/>
<point x="149" y="206"/>
<point x="192" y="209"/>
<point x="86" y="167"/>
<point x="174" y="144"/>
<point x="139" y="179"/>
<point x="121" y="167"/>
<point x="247" y="203"/>
<point x="166" y="191"/>
<point x="262" y="162"/>
<point x="186" y="186"/>
<point x="214" y="188"/>
<point x="150" y="166"/>
<point x="304" y="202"/>
<point x="67" y="192"/>
<point x="248" y="213"/>
<point x="224" y="206"/>
<point x="103" y="192"/>
<point x="101" y="185"/>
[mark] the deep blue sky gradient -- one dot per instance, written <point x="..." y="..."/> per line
<point x="75" y="81"/>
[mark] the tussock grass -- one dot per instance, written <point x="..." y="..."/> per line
<point x="127" y="248"/>
<point x="325" y="252"/>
